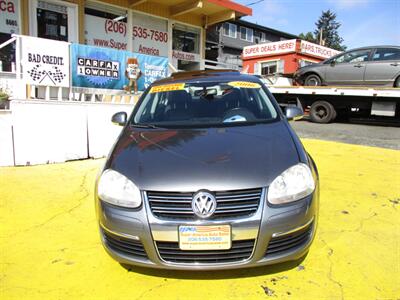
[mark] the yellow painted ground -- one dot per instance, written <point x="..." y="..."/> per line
<point x="50" y="247"/>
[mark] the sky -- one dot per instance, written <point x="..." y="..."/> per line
<point x="364" y="22"/>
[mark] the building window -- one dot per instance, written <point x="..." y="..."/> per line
<point x="52" y="21"/>
<point x="107" y="15"/>
<point x="106" y="26"/>
<point x="263" y="37"/>
<point x="269" y="68"/>
<point x="55" y="20"/>
<point x="230" y="29"/>
<point x="9" y="24"/>
<point x="7" y="54"/>
<point x="186" y="39"/>
<point x="185" y="47"/>
<point x="246" y="34"/>
<point x="150" y="35"/>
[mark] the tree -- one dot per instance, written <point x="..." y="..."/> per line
<point x="327" y="26"/>
<point x="309" y="37"/>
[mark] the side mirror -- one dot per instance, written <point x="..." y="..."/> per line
<point x="293" y="113"/>
<point x="333" y="63"/>
<point x="119" y="118"/>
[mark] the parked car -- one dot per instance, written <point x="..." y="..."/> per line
<point x="207" y="174"/>
<point x="379" y="65"/>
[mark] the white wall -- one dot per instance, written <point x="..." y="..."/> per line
<point x="55" y="131"/>
<point x="102" y="133"/>
<point x="6" y="144"/>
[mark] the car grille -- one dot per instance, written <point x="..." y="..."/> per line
<point x="290" y="241"/>
<point x="229" y="204"/>
<point x="123" y="245"/>
<point x="240" y="250"/>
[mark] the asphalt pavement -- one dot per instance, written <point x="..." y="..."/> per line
<point x="350" y="133"/>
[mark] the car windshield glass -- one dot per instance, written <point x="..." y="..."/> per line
<point x="205" y="104"/>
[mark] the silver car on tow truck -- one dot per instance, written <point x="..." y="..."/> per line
<point x="371" y="66"/>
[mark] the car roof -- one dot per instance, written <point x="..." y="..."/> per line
<point x="372" y="47"/>
<point x="207" y="76"/>
<point x="355" y="49"/>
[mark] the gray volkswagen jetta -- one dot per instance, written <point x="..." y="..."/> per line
<point x="207" y="174"/>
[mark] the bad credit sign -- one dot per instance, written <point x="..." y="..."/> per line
<point x="317" y="50"/>
<point x="45" y="62"/>
<point x="270" y="48"/>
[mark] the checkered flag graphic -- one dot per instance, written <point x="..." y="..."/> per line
<point x="57" y="75"/>
<point x="35" y="74"/>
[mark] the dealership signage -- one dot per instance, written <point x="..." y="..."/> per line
<point x="317" y="50"/>
<point x="150" y="35"/>
<point x="106" y="33"/>
<point x="270" y="48"/>
<point x="45" y="62"/>
<point x="9" y="16"/>
<point x="187" y="56"/>
<point x="97" y="67"/>
<point x="101" y="68"/>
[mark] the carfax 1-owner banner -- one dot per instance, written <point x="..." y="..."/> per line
<point x="45" y="62"/>
<point x="103" y="68"/>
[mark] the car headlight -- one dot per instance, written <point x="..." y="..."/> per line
<point x="293" y="184"/>
<point x="116" y="189"/>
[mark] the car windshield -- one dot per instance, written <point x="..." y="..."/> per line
<point x="205" y="104"/>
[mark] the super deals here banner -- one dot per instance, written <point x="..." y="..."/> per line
<point x="45" y="62"/>
<point x="103" y="68"/>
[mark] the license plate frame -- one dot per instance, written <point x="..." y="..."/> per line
<point x="204" y="237"/>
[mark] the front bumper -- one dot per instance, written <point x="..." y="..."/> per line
<point x="271" y="235"/>
<point x="298" y="79"/>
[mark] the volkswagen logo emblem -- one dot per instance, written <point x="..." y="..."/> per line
<point x="204" y="204"/>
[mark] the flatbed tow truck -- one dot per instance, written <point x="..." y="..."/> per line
<point x="325" y="103"/>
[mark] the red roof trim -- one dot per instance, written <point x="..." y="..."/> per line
<point x="244" y="10"/>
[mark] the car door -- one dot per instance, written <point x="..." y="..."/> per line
<point x="348" y="68"/>
<point x="384" y="66"/>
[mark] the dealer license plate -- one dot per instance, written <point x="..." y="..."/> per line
<point x="205" y="237"/>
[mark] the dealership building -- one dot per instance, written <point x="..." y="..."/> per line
<point x="174" y="29"/>
<point x="225" y="41"/>
<point x="283" y="57"/>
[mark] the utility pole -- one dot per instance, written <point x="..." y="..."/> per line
<point x="320" y="35"/>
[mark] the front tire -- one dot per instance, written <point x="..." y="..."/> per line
<point x="397" y="82"/>
<point x="313" y="80"/>
<point x="322" y="112"/>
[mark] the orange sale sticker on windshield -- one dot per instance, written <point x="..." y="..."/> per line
<point x="244" y="84"/>
<point x="167" y="87"/>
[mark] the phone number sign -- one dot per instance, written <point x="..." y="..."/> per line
<point x="105" y="33"/>
<point x="150" y="35"/>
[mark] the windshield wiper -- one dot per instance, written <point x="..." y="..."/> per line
<point x="145" y="126"/>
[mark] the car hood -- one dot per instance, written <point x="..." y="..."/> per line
<point x="213" y="158"/>
<point x="307" y="68"/>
